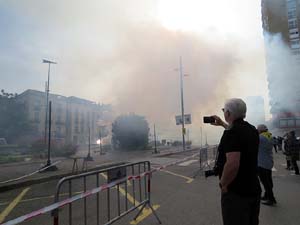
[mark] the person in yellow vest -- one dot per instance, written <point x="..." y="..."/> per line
<point x="265" y="164"/>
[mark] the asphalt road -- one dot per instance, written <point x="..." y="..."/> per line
<point x="177" y="197"/>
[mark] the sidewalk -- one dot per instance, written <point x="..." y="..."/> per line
<point x="65" y="165"/>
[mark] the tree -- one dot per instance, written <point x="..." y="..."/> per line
<point x="13" y="117"/>
<point x="130" y="132"/>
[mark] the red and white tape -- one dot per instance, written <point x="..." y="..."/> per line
<point x="88" y="193"/>
<point x="28" y="175"/>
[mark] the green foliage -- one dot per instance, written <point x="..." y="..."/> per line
<point x="10" y="158"/>
<point x="13" y="118"/>
<point x="130" y="132"/>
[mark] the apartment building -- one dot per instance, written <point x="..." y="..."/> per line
<point x="281" y="21"/>
<point x="73" y="120"/>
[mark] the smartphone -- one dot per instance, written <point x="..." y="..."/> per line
<point x="208" y="119"/>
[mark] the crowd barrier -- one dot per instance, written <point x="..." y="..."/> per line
<point x="139" y="189"/>
<point x="136" y="175"/>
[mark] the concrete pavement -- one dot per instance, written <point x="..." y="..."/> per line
<point x="179" y="201"/>
<point x="22" y="171"/>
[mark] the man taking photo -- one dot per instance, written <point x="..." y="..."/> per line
<point x="237" y="162"/>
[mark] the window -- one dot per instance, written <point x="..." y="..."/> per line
<point x="37" y="108"/>
<point x="294" y="33"/>
<point x="282" y="123"/>
<point x="295" y="43"/>
<point x="296" y="51"/>
<point x="291" y="5"/>
<point x="293" y="24"/>
<point x="36" y="116"/>
<point x="59" y="111"/>
<point x="58" y="132"/>
<point x="294" y="36"/>
<point x="76" y="129"/>
<point x="291" y="123"/>
<point x="292" y="14"/>
<point x="76" y="117"/>
<point x="298" y="123"/>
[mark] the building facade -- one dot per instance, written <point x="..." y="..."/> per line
<point x="73" y="120"/>
<point x="281" y="25"/>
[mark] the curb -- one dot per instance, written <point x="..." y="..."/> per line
<point x="177" y="152"/>
<point x="53" y="177"/>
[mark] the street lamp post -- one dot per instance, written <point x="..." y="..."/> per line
<point x="49" y="166"/>
<point x="47" y="96"/>
<point x="182" y="103"/>
<point x="155" y="146"/>
<point x="100" y="142"/>
<point x="49" y="133"/>
<point x="201" y="137"/>
<point x="89" y="157"/>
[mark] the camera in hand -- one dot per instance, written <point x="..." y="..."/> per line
<point x="209" y="119"/>
<point x="214" y="172"/>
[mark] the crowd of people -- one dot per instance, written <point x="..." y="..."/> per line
<point x="289" y="144"/>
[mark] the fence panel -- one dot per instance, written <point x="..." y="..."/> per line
<point x="106" y="206"/>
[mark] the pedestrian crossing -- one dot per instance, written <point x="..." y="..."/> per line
<point x="189" y="162"/>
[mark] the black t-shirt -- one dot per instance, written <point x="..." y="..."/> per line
<point x="244" y="138"/>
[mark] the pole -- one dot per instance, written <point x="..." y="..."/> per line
<point x="188" y="135"/>
<point x="89" y="154"/>
<point x="182" y="104"/>
<point x="100" y="145"/>
<point x="201" y="137"/>
<point x="49" y="135"/>
<point x="89" y="157"/>
<point x="49" y="166"/>
<point x="47" y="103"/>
<point x="155" y="147"/>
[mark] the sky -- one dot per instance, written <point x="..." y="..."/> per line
<point x="126" y="53"/>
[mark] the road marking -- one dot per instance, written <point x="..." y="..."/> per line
<point x="145" y="213"/>
<point x="189" y="180"/>
<point x="12" y="205"/>
<point x="187" y="163"/>
<point x="41" y="197"/>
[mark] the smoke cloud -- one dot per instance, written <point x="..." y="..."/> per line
<point x="118" y="53"/>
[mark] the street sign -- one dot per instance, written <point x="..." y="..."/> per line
<point x="187" y="119"/>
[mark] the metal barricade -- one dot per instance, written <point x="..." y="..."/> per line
<point x="207" y="158"/>
<point x="109" y="205"/>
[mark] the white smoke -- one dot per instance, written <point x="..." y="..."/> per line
<point x="117" y="52"/>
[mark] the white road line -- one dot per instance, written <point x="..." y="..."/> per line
<point x="187" y="163"/>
